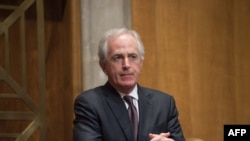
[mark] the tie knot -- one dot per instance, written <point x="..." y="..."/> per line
<point x="128" y="99"/>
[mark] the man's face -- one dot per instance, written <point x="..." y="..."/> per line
<point x="123" y="63"/>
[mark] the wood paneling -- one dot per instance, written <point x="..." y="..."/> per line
<point x="63" y="70"/>
<point x="21" y="110"/>
<point x="197" y="51"/>
<point x="145" y="23"/>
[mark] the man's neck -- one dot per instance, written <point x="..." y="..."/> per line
<point x="124" y="90"/>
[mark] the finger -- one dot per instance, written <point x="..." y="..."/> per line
<point x="151" y="135"/>
<point x="157" y="138"/>
<point x="165" y="134"/>
<point x="160" y="137"/>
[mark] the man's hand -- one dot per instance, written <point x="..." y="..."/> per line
<point x="160" y="137"/>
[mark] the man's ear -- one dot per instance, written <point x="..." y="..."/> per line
<point x="103" y="66"/>
<point x="141" y="63"/>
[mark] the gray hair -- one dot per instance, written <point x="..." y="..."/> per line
<point x="103" y="44"/>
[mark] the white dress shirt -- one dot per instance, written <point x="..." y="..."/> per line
<point x="133" y="94"/>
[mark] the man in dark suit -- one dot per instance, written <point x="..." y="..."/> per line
<point x="104" y="113"/>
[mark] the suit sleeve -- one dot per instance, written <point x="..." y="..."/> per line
<point x="174" y="124"/>
<point x="86" y="125"/>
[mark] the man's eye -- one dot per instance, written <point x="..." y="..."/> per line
<point x="117" y="58"/>
<point x="133" y="57"/>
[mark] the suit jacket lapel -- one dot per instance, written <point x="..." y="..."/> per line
<point x="119" y="110"/>
<point x="145" y="115"/>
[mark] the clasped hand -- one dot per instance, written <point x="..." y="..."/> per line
<point x="160" y="137"/>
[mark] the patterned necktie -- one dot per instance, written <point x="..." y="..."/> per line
<point x="133" y="115"/>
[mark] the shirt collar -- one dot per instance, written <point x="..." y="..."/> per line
<point x="133" y="93"/>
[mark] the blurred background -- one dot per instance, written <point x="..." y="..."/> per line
<point x="196" y="50"/>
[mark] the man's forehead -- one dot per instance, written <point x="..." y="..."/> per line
<point x="124" y="52"/>
<point x="124" y="49"/>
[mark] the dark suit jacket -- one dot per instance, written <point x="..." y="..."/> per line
<point x="101" y="115"/>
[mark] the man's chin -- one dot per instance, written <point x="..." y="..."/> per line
<point x="128" y="85"/>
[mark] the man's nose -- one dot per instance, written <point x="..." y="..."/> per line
<point x="126" y="62"/>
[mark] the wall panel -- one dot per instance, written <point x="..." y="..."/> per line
<point x="197" y="51"/>
<point x="22" y="108"/>
<point x="241" y="58"/>
<point x="29" y="110"/>
<point x="145" y="24"/>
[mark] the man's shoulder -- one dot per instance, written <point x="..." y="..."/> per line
<point x="157" y="96"/>
<point x="155" y="92"/>
<point x="90" y="93"/>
